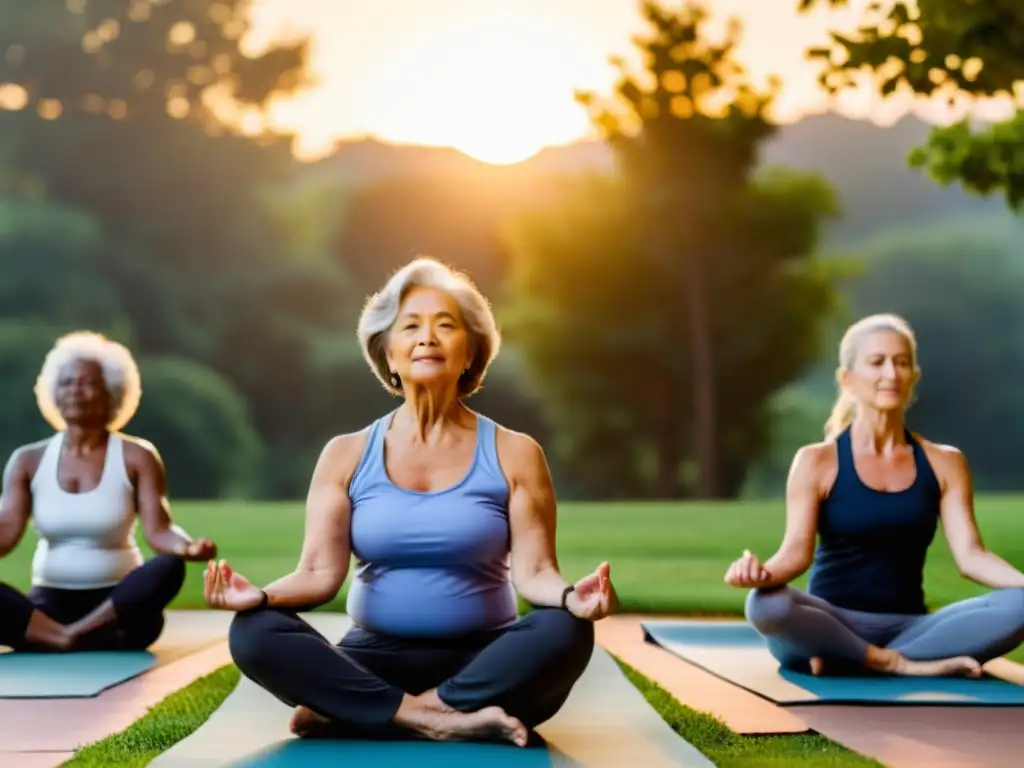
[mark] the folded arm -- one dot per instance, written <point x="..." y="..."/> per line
<point x="972" y="558"/>
<point x="326" y="549"/>
<point x="532" y="518"/>
<point x="803" y="495"/>
<point x="160" y="532"/>
<point x="16" y="499"/>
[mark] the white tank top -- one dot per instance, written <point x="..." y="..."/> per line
<point x="86" y="540"/>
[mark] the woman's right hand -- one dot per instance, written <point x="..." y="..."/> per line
<point x="227" y="590"/>
<point x="747" y="572"/>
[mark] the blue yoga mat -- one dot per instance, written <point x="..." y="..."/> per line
<point x="735" y="652"/>
<point x="311" y="753"/>
<point x="68" y="675"/>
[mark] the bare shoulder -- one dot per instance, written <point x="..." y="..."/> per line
<point x="139" y="451"/>
<point x="518" y="452"/>
<point x="24" y="460"/>
<point x="341" y="455"/>
<point x="947" y="461"/>
<point x="815" y="465"/>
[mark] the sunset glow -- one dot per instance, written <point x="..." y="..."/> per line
<point x="495" y="78"/>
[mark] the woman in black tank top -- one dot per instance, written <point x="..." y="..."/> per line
<point x="873" y="495"/>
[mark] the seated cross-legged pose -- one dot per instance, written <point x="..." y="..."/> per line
<point x="874" y="494"/>
<point x="448" y="516"/>
<point x="83" y="490"/>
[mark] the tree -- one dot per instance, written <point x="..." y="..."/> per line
<point x="142" y="60"/>
<point x="200" y="424"/>
<point x="696" y="274"/>
<point x="971" y="348"/>
<point x="597" y="317"/>
<point x="945" y="48"/>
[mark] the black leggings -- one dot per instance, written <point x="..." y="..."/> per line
<point x="139" y="601"/>
<point x="528" y="669"/>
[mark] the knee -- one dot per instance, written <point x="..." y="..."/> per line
<point x="768" y="610"/>
<point x="250" y="638"/>
<point x="1010" y="602"/>
<point x="564" y="635"/>
<point x="170" y="570"/>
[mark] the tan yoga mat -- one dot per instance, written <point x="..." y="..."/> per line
<point x="736" y="708"/>
<point x="605" y="723"/>
<point x="924" y="736"/>
<point x="36" y="732"/>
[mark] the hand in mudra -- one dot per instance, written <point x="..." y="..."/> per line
<point x="594" y="596"/>
<point x="227" y="590"/>
<point x="747" y="572"/>
<point x="200" y="549"/>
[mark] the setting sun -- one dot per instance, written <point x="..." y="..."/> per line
<point x="491" y="85"/>
<point x="495" y="83"/>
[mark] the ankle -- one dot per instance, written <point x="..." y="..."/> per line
<point x="885" y="659"/>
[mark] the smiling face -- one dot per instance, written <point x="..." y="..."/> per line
<point x="82" y="396"/>
<point x="883" y="372"/>
<point x="429" y="343"/>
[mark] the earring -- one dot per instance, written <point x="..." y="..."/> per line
<point x="395" y="381"/>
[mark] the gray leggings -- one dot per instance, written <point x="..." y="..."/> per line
<point x="799" y="626"/>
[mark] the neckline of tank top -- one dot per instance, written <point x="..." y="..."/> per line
<point x="477" y="448"/>
<point x="916" y="450"/>
<point x="55" y="477"/>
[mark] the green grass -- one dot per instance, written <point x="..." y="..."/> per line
<point x="727" y="749"/>
<point x="170" y="721"/>
<point x="666" y="558"/>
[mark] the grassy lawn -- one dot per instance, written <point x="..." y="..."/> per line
<point x="666" y="558"/>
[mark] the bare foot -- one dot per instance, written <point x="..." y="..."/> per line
<point x="430" y="717"/>
<point x="307" y="724"/>
<point x="44" y="631"/>
<point x="896" y="663"/>
<point x="955" y="667"/>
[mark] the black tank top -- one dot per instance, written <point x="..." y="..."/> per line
<point x="872" y="544"/>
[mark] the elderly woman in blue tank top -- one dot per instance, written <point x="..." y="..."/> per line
<point x="874" y="494"/>
<point x="448" y="516"/>
<point x="84" y="490"/>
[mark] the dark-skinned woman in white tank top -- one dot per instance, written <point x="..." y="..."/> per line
<point x="84" y="489"/>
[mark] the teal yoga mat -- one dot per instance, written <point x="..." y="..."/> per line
<point x="68" y="675"/>
<point x="735" y="652"/>
<point x="301" y="753"/>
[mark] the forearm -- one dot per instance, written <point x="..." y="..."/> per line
<point x="989" y="570"/>
<point x="542" y="588"/>
<point x="783" y="567"/>
<point x="302" y="588"/>
<point x="168" y="540"/>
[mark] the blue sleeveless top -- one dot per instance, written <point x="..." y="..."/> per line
<point x="872" y="544"/>
<point x="431" y="564"/>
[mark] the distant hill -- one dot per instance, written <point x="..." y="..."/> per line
<point x="866" y="163"/>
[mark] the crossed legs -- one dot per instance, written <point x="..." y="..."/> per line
<point x="956" y="639"/>
<point x="494" y="685"/>
<point x="128" y="616"/>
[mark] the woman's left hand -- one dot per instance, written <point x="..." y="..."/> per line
<point x="594" y="596"/>
<point x="201" y="549"/>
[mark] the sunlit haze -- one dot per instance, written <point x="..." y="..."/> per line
<point x="495" y="78"/>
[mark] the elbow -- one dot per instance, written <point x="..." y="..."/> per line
<point x="968" y="563"/>
<point x="326" y="585"/>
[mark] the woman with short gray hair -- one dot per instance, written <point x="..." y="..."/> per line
<point x="449" y="516"/>
<point x="84" y="489"/>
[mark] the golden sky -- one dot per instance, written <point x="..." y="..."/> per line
<point x="495" y="78"/>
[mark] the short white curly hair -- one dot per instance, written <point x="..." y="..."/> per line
<point x="381" y="311"/>
<point x="120" y="374"/>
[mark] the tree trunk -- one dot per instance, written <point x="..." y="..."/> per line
<point x="705" y="421"/>
<point x="667" y="437"/>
